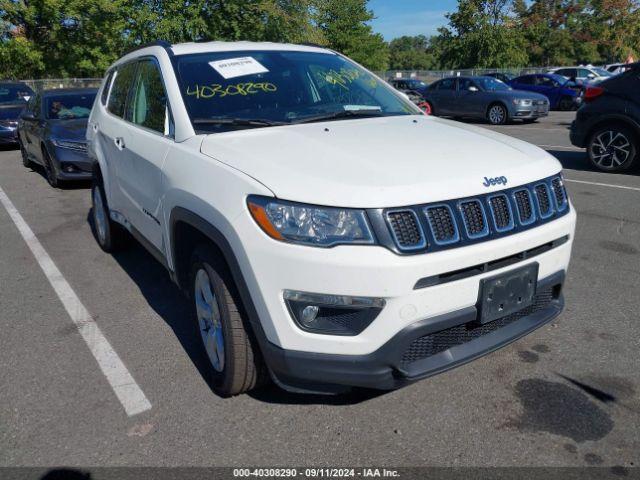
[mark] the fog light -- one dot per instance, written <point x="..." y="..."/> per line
<point x="332" y="314"/>
<point x="309" y="314"/>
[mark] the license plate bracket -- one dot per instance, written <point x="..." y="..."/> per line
<point x="507" y="293"/>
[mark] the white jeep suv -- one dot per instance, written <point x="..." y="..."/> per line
<point x="327" y="233"/>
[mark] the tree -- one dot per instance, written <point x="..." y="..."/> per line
<point x="62" y="37"/>
<point x="344" y="27"/>
<point x="411" y="53"/>
<point x="482" y="34"/>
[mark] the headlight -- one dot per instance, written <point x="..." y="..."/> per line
<point x="8" y="124"/>
<point x="71" y="145"/>
<point x="309" y="224"/>
<point x="523" y="102"/>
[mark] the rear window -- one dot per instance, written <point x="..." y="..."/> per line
<point x="69" y="106"/>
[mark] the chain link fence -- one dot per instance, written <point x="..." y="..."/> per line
<point x="52" y="83"/>
<point x="427" y="76"/>
<point x="430" y="76"/>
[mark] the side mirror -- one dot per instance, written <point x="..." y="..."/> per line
<point x="473" y="88"/>
<point x="27" y="116"/>
<point x="591" y="76"/>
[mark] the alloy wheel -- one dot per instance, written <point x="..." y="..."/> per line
<point x="497" y="115"/>
<point x="99" y="215"/>
<point x="610" y="149"/>
<point x="209" y="319"/>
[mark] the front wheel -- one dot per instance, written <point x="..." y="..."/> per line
<point x="497" y="115"/>
<point x="25" y="156"/>
<point x="110" y="236"/>
<point x="49" y="170"/>
<point x="235" y="363"/>
<point x="613" y="148"/>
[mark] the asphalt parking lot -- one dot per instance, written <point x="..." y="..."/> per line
<point x="566" y="395"/>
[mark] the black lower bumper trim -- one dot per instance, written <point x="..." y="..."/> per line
<point x="389" y="367"/>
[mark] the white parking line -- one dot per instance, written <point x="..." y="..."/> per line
<point x="622" y="187"/>
<point x="125" y="387"/>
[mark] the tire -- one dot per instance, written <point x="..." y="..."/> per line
<point x="25" y="157"/>
<point x="110" y="235"/>
<point x="497" y="114"/>
<point x="565" y="104"/>
<point x="49" y="170"/>
<point x="613" y="148"/>
<point x="235" y="362"/>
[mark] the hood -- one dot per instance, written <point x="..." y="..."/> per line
<point x="379" y="162"/>
<point x="73" y="129"/>
<point x="11" y="111"/>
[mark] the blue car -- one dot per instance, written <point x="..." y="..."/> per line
<point x="562" y="94"/>
<point x="13" y="98"/>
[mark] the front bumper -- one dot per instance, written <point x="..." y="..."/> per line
<point x="8" y="136"/>
<point x="420" y="350"/>
<point x="530" y="113"/>
<point x="71" y="164"/>
<point x="269" y="267"/>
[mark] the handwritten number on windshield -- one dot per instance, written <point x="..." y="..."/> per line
<point x="221" y="91"/>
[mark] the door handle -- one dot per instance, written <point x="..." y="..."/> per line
<point x="119" y="141"/>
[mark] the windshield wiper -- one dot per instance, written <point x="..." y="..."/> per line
<point x="250" y="122"/>
<point x="341" y="114"/>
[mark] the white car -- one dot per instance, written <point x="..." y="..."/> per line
<point x="327" y="233"/>
<point x="583" y="74"/>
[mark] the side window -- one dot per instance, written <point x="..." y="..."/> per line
<point x="524" y="80"/>
<point x="105" y="89"/>
<point x="465" y="83"/>
<point x="148" y="106"/>
<point x="447" y="84"/>
<point x="583" y="73"/>
<point x="120" y="89"/>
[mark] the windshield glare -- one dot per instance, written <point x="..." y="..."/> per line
<point x="61" y="107"/>
<point x="280" y="86"/>
<point x="493" y="84"/>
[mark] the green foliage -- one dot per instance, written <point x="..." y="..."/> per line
<point x="343" y="24"/>
<point x="409" y="53"/>
<point x="481" y="35"/>
<point x="76" y="38"/>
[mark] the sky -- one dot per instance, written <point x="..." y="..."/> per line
<point x="409" y="17"/>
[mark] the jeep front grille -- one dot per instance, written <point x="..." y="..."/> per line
<point x="543" y="199"/>
<point x="406" y="229"/>
<point x="442" y="223"/>
<point x="459" y="222"/>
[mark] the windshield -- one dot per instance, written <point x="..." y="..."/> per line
<point x="14" y="94"/>
<point x="275" y="87"/>
<point x="492" y="84"/>
<point x="61" y="107"/>
<point x="602" y="72"/>
<point x="558" y="78"/>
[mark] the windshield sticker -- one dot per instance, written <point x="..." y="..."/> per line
<point x="238" y="67"/>
<point x="343" y="78"/>
<point x="221" y="91"/>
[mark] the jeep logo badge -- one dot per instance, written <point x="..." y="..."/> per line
<point x="494" y="181"/>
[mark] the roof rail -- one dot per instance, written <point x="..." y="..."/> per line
<point x="158" y="43"/>
<point x="311" y="44"/>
